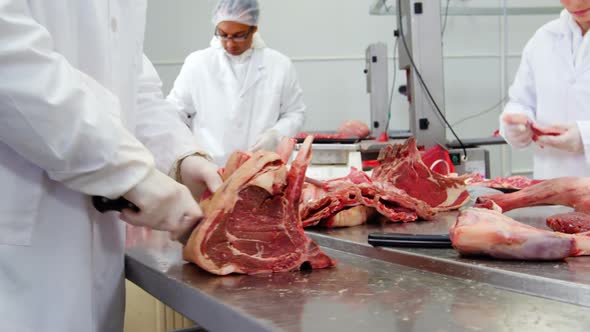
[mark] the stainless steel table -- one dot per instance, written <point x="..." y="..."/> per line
<point x="359" y="294"/>
<point x="567" y="281"/>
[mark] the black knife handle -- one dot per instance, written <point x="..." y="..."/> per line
<point x="103" y="204"/>
<point x="410" y="240"/>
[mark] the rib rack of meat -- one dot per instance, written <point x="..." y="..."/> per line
<point x="251" y="223"/>
<point x="401" y="167"/>
<point x="354" y="199"/>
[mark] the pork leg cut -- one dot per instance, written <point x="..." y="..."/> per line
<point x="568" y="191"/>
<point x="490" y="233"/>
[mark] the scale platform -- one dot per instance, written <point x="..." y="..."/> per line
<point x="329" y="161"/>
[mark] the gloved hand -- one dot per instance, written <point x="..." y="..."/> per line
<point x="164" y="205"/>
<point x="570" y="140"/>
<point x="517" y="129"/>
<point x="268" y="141"/>
<point x="198" y="174"/>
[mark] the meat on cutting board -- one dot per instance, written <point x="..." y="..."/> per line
<point x="354" y="128"/>
<point x="402" y="167"/>
<point x="348" y="129"/>
<point x="252" y="224"/>
<point x="570" y="223"/>
<point x="482" y="232"/>
<point x="568" y="191"/>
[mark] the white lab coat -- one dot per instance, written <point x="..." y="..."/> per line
<point x="71" y="79"/>
<point x="226" y="115"/>
<point x="553" y="87"/>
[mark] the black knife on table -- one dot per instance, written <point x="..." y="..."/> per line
<point x="410" y="240"/>
<point x="103" y="205"/>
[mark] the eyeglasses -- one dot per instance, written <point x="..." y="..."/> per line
<point x="238" y="38"/>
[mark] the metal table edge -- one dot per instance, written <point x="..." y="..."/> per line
<point x="564" y="291"/>
<point x="206" y="311"/>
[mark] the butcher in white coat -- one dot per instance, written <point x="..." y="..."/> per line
<point x="238" y="94"/>
<point x="552" y="88"/>
<point x="74" y="89"/>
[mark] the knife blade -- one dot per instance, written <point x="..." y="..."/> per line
<point x="104" y="205"/>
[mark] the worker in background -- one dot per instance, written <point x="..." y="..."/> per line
<point x="238" y="94"/>
<point x="74" y="88"/>
<point x="552" y="88"/>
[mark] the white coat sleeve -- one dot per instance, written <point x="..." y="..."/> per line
<point x="161" y="125"/>
<point x="292" y="111"/>
<point x="522" y="93"/>
<point x="180" y="95"/>
<point x="59" y="118"/>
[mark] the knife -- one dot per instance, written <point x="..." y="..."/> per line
<point x="410" y="240"/>
<point x="103" y="205"/>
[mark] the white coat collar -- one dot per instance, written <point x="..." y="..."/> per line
<point x="565" y="29"/>
<point x="560" y="26"/>
<point x="256" y="67"/>
<point x="255" y="70"/>
<point x="565" y="25"/>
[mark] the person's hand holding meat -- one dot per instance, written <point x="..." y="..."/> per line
<point x="198" y="174"/>
<point x="570" y="140"/>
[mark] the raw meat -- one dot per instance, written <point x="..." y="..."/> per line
<point x="353" y="216"/>
<point x="238" y="158"/>
<point x="569" y="191"/>
<point x="252" y="224"/>
<point x="349" y="129"/>
<point x="394" y="204"/>
<point x="234" y="162"/>
<point x="570" y="223"/>
<point x="321" y="206"/>
<point x="334" y="203"/>
<point x="401" y="166"/>
<point x="354" y="128"/>
<point x="511" y="182"/>
<point x="352" y="200"/>
<point x="323" y="136"/>
<point x="490" y="233"/>
<point x="545" y="131"/>
<point x="537" y="129"/>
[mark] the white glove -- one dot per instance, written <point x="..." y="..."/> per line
<point x="164" y="205"/>
<point x="198" y="173"/>
<point x="570" y="140"/>
<point x="268" y="141"/>
<point x="517" y="130"/>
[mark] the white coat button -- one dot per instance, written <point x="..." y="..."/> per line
<point x="114" y="24"/>
<point x="572" y="81"/>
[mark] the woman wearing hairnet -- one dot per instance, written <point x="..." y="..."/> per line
<point x="238" y="94"/>
<point x="552" y="88"/>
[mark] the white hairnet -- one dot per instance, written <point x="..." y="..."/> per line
<point x="241" y="11"/>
